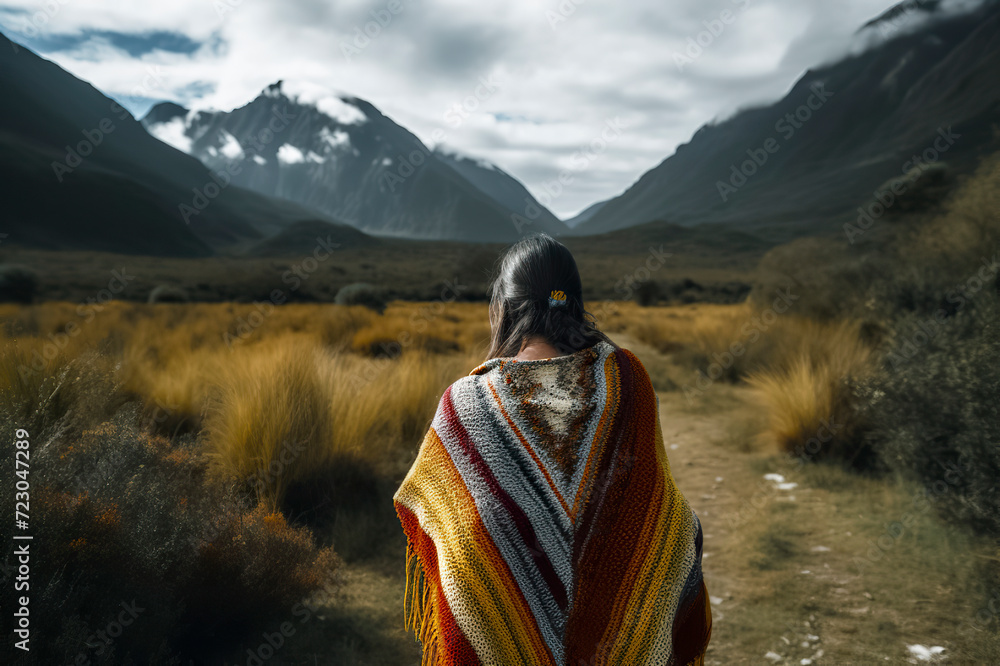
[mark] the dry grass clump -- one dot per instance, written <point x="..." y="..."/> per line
<point x="808" y="395"/>
<point x="289" y="412"/>
<point x="269" y="418"/>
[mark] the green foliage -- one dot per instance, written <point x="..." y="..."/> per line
<point x="935" y="412"/>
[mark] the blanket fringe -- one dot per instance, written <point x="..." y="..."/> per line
<point x="418" y="606"/>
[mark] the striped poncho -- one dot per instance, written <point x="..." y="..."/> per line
<point x="543" y="524"/>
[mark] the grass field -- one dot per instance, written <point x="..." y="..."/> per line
<point x="293" y="425"/>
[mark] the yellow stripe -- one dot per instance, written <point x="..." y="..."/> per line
<point x="481" y="593"/>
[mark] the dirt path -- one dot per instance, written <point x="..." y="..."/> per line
<point x="790" y="566"/>
<point x="711" y="479"/>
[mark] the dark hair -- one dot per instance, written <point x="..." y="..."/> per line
<point x="528" y="272"/>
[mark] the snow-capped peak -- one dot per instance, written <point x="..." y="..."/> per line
<point x="335" y="105"/>
<point x="455" y="154"/>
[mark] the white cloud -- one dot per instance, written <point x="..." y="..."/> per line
<point x="552" y="91"/>
<point x="289" y="154"/>
<point x="172" y="132"/>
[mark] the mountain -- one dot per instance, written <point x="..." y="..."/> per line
<point x="925" y="86"/>
<point x="584" y="215"/>
<point x="341" y="156"/>
<point x="502" y="187"/>
<point x="79" y="172"/>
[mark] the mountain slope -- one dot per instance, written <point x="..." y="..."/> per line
<point x="840" y="132"/>
<point x="587" y="213"/>
<point x="502" y="187"/>
<point x="341" y="156"/>
<point x="78" y="171"/>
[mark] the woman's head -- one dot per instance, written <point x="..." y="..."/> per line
<point x="528" y="274"/>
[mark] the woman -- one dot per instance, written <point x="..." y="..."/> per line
<point x="543" y="524"/>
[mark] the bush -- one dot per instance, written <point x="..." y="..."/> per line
<point x="270" y="421"/>
<point x="935" y="414"/>
<point x="360" y="293"/>
<point x="168" y="293"/>
<point x="809" y="396"/>
<point x="18" y="284"/>
<point x="128" y="518"/>
<point x="647" y="293"/>
<point x="128" y="521"/>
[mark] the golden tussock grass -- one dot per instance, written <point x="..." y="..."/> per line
<point x="276" y="394"/>
<point x="282" y="393"/>
<point x="808" y="389"/>
<point x="799" y="366"/>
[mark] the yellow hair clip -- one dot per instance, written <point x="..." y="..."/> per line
<point x="557" y="298"/>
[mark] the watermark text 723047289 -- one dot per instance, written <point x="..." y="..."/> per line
<point x="22" y="454"/>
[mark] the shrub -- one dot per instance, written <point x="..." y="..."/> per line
<point x="935" y="414"/>
<point x="168" y="293"/>
<point x="18" y="284"/>
<point x="360" y="293"/>
<point x="128" y="520"/>
<point x="269" y="421"/>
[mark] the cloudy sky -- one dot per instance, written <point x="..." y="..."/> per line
<point x="526" y="84"/>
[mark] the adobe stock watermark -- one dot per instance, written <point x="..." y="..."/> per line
<point x="456" y="114"/>
<point x="786" y="126"/>
<point x="419" y="321"/>
<point x="912" y="169"/>
<point x="909" y="346"/>
<point x="100" y="641"/>
<point x="265" y="479"/>
<point x="562" y="12"/>
<point x="294" y="276"/>
<point x="32" y="25"/>
<point x="580" y="161"/>
<point x="223" y="7"/>
<point x="221" y="179"/>
<point x="303" y="611"/>
<point x="922" y="499"/>
<point x="656" y="260"/>
<point x="459" y="112"/>
<point x="714" y="27"/>
<point x="363" y="35"/>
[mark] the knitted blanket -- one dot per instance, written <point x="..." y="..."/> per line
<point x="543" y="524"/>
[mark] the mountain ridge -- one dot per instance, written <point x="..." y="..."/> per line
<point x="887" y="102"/>
<point x="343" y="157"/>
